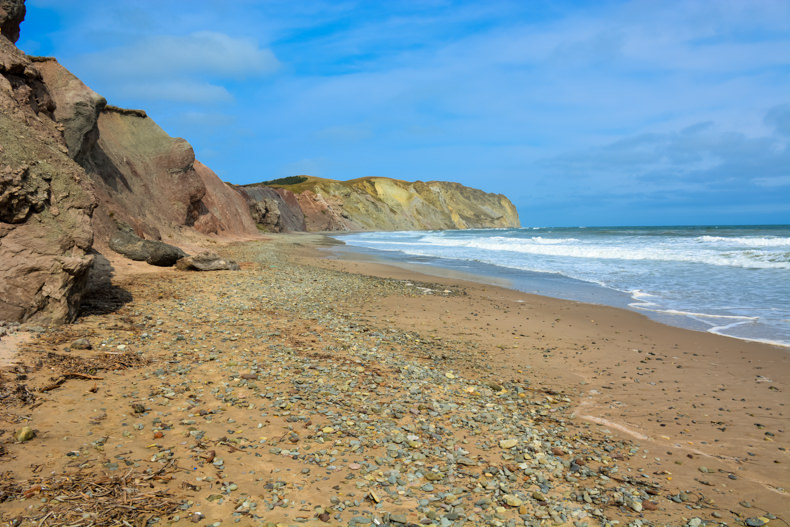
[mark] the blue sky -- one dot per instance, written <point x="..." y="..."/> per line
<point x="582" y="113"/>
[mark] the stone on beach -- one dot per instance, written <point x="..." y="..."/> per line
<point x="206" y="261"/>
<point x="124" y="241"/>
<point x="25" y="434"/>
<point x="508" y="443"/>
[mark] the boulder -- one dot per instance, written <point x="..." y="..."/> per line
<point x="206" y="261"/>
<point x="12" y="13"/>
<point x="159" y="253"/>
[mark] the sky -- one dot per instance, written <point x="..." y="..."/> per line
<point x="583" y="113"/>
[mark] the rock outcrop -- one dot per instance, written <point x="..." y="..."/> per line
<point x="77" y="106"/>
<point x="45" y="199"/>
<point x="223" y="209"/>
<point x="141" y="175"/>
<point x="315" y="204"/>
<point x="12" y="13"/>
<point x="274" y="209"/>
<point x="71" y="168"/>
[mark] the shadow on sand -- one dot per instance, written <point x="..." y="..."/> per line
<point x="102" y="296"/>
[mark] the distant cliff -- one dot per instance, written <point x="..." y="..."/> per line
<point x="374" y="203"/>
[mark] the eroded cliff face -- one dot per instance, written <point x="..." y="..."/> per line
<point x="142" y="177"/>
<point x="45" y="202"/>
<point x="222" y="210"/>
<point x="377" y="204"/>
<point x="72" y="168"/>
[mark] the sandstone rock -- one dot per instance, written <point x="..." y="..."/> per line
<point x="21" y="194"/>
<point x="141" y="176"/>
<point x="81" y="344"/>
<point x="151" y="181"/>
<point x="223" y="209"/>
<point x="127" y="243"/>
<point x="206" y="261"/>
<point x="12" y="13"/>
<point x="45" y="203"/>
<point x="77" y="106"/>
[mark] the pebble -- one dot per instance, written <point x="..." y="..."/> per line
<point x="512" y="500"/>
<point x="81" y="344"/>
<point x="25" y="434"/>
<point x="385" y="418"/>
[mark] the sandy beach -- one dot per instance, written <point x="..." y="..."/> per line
<point x="310" y="390"/>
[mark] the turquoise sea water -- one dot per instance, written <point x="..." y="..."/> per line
<point x="731" y="280"/>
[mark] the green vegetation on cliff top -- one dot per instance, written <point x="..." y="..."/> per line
<point x="298" y="184"/>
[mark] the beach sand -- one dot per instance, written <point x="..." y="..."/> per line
<point x="308" y="390"/>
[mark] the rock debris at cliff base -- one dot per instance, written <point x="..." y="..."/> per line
<point x="267" y="400"/>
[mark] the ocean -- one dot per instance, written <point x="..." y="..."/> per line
<point x="731" y="280"/>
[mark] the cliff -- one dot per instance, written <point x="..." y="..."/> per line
<point x="373" y="203"/>
<point x="73" y="169"/>
<point x="45" y="201"/>
<point x="141" y="176"/>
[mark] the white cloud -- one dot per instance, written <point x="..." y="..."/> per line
<point x="183" y="91"/>
<point x="198" y="68"/>
<point x="700" y="162"/>
<point x="204" y="53"/>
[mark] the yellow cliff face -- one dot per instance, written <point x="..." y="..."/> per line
<point x="390" y="204"/>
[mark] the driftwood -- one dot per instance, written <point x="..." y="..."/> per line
<point x="69" y="375"/>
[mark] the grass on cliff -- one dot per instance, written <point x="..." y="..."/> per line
<point x="285" y="181"/>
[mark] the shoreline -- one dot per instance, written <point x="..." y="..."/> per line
<point x="338" y="363"/>
<point x="571" y="289"/>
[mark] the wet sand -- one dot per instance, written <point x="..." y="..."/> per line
<point x="331" y="397"/>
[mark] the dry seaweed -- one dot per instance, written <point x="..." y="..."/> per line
<point x="108" y="361"/>
<point x="89" y="499"/>
<point x="15" y="394"/>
